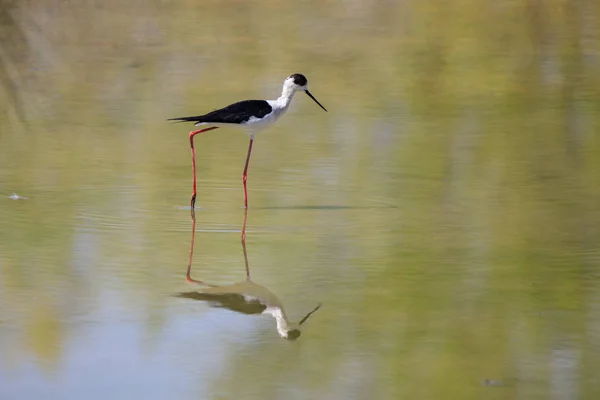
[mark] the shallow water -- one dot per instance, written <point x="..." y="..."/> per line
<point x="445" y="211"/>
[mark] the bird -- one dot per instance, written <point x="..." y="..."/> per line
<point x="250" y="115"/>
<point x="245" y="297"/>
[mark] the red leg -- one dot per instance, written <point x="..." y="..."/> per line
<point x="245" y="173"/>
<point x="192" y="134"/>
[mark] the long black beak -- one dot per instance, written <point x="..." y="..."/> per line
<point x="316" y="101"/>
<point x="318" y="306"/>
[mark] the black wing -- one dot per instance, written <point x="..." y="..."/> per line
<point x="236" y="113"/>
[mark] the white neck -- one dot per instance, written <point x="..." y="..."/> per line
<point x="286" y="96"/>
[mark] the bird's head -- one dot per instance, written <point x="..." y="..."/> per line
<point x="298" y="82"/>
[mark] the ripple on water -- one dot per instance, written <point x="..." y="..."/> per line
<point x="96" y="220"/>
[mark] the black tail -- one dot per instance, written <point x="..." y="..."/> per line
<point x="186" y="119"/>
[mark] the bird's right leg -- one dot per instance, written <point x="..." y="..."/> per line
<point x="245" y="173"/>
<point x="192" y="134"/>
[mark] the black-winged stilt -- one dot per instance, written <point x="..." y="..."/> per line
<point x="251" y="115"/>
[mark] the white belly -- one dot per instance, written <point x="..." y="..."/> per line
<point x="257" y="124"/>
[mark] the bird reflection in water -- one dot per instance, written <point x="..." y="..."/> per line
<point x="244" y="297"/>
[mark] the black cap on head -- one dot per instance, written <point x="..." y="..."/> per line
<point x="299" y="79"/>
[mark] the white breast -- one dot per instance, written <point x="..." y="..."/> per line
<point x="257" y="124"/>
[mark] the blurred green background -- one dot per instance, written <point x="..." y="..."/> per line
<point x="445" y="211"/>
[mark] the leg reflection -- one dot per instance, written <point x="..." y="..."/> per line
<point x="188" y="277"/>
<point x="244" y="244"/>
